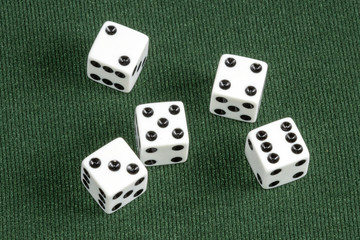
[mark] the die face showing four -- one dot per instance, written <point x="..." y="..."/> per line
<point x="161" y="133"/>
<point x="117" y="56"/>
<point x="238" y="88"/>
<point x="277" y="153"/>
<point x="114" y="175"/>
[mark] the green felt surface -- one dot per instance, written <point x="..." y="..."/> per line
<point x="52" y="117"/>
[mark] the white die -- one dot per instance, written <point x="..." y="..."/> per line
<point x="238" y="88"/>
<point x="117" y="56"/>
<point x="114" y="175"/>
<point x="161" y="133"/>
<point x="277" y="153"/>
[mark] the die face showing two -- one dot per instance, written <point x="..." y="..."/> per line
<point x="117" y="56"/>
<point x="238" y="88"/>
<point x="277" y="153"/>
<point x="114" y="175"/>
<point x="161" y="133"/>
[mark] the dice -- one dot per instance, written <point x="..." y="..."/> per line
<point x="161" y="133"/>
<point x="277" y="153"/>
<point x="114" y="175"/>
<point x="238" y="88"/>
<point x="117" y="56"/>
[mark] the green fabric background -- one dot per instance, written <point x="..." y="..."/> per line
<point x="52" y="117"/>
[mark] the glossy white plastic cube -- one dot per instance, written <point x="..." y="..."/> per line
<point x="277" y="153"/>
<point x="114" y="175"/>
<point x="117" y="56"/>
<point x="161" y="133"/>
<point x="238" y="88"/>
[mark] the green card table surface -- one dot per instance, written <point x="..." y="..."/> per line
<point x="53" y="116"/>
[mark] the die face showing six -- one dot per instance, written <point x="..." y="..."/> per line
<point x="161" y="133"/>
<point x="117" y="56"/>
<point x="277" y="153"/>
<point x="114" y="175"/>
<point x="238" y="88"/>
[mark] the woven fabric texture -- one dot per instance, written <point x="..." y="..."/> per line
<point x="53" y="116"/>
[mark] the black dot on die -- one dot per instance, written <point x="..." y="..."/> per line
<point x="134" y="71"/>
<point x="220" y="111"/>
<point x="256" y="67"/>
<point x="138" y="67"/>
<point x="297" y="148"/>
<point x="148" y="112"/>
<point x="124" y="60"/>
<point x="101" y="204"/>
<point x="120" y="74"/>
<point x="86" y="172"/>
<point x="299" y="163"/>
<point x="95" y="77"/>
<point x="144" y="61"/>
<point x="233" y="108"/>
<point x="107" y="81"/>
<point x="177" y="148"/>
<point x="286" y="126"/>
<point x="277" y="171"/>
<point x="224" y="84"/>
<point x="163" y="122"/>
<point x="119" y="86"/>
<point x="299" y="174"/>
<point x="151" y="136"/>
<point x="250" y="90"/>
<point x="102" y="198"/>
<point x="132" y="168"/>
<point x="291" y="137"/>
<point x="150" y="162"/>
<point x="86" y="178"/>
<point x="107" y="69"/>
<point x="248" y="105"/>
<point x="174" y="109"/>
<point x="273" y="184"/>
<point x="139" y="181"/>
<point x="245" y="117"/>
<point x="114" y="165"/>
<point x="95" y="64"/>
<point x="116" y="196"/>
<point x="85" y="183"/>
<point x="177" y="133"/>
<point x="221" y="99"/>
<point x="230" y="62"/>
<point x="94" y="162"/>
<point x="273" y="158"/>
<point x="102" y="192"/>
<point x="176" y="159"/>
<point x="138" y="192"/>
<point x="250" y="144"/>
<point x="261" y="135"/>
<point x="266" y="147"/>
<point x="111" y="30"/>
<point x="116" y="207"/>
<point x="128" y="193"/>
<point x="151" y="150"/>
<point x="259" y="178"/>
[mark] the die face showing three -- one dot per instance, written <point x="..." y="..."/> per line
<point x="114" y="175"/>
<point x="277" y="153"/>
<point x="161" y="133"/>
<point x="238" y="88"/>
<point x="117" y="56"/>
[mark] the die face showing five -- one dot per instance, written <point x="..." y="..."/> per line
<point x="117" y="56"/>
<point x="238" y="88"/>
<point x="161" y="133"/>
<point x="277" y="153"/>
<point x="114" y="175"/>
